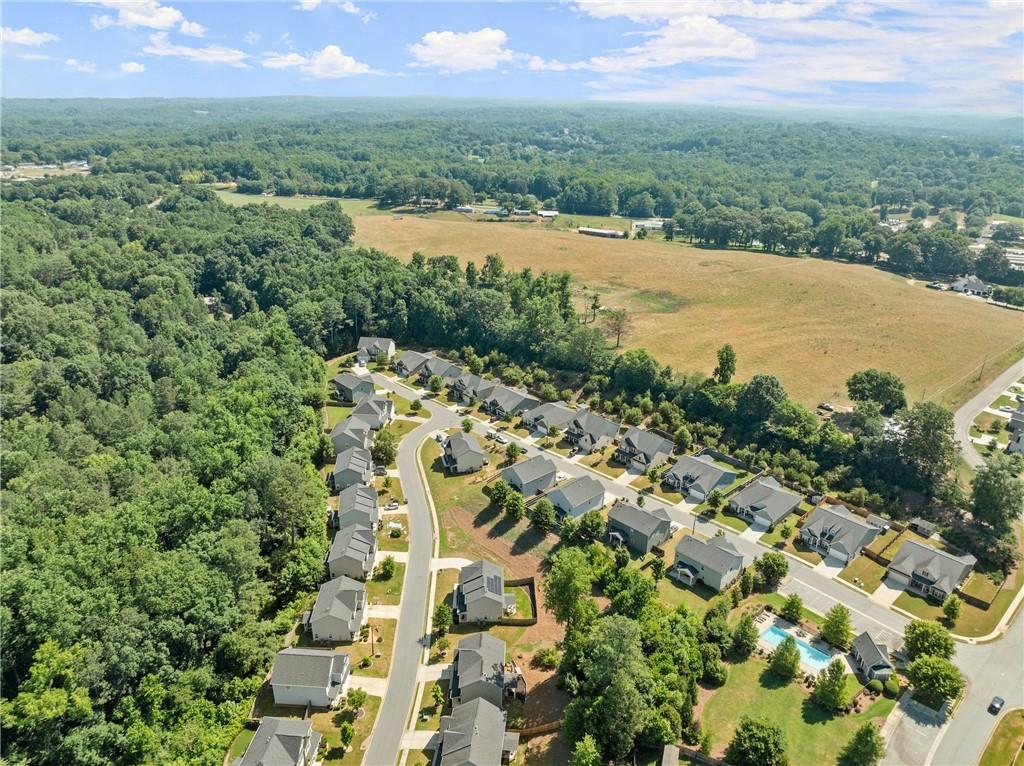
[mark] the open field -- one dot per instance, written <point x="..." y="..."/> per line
<point x="810" y="322"/>
<point x="353" y="207"/>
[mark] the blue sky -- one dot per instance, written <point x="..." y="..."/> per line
<point x="908" y="54"/>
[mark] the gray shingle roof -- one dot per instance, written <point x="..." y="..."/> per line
<point x="281" y="742"/>
<point x="841" y="528"/>
<point x="634" y="517"/>
<point x="509" y="399"/>
<point x="716" y="554"/>
<point x="473" y="735"/>
<point x="296" y="666"/>
<point x="700" y="472"/>
<point x="353" y="458"/>
<point x="461" y="443"/>
<point x="374" y="346"/>
<point x="411" y="361"/>
<point x="646" y="443"/>
<point x="592" y="428"/>
<point x="870" y="651"/>
<point x="350" y="380"/>
<point x="766" y="497"/>
<point x="355" y="542"/>
<point x="480" y="657"/>
<point x="577" y="492"/>
<point x="549" y="415"/>
<point x="474" y="385"/>
<point x="374" y="410"/>
<point x="482" y="580"/>
<point x="341" y="598"/>
<point x="529" y="470"/>
<point x="943" y="570"/>
<point x="352" y="424"/>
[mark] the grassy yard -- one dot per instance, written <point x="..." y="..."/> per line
<point x="972" y="622"/>
<point x="386" y="591"/>
<point x="420" y="758"/>
<point x="524" y="607"/>
<point x="327" y="724"/>
<point x="349" y="205"/>
<point x="403" y="406"/>
<point x="864" y="573"/>
<point x="385" y="494"/>
<point x="429" y="709"/>
<point x="385" y="541"/>
<point x="696" y="596"/>
<point x="813" y="735"/>
<point x="604" y="463"/>
<point x="776" y="602"/>
<point x="733" y="522"/>
<point x="465" y="491"/>
<point x="794" y="545"/>
<point x="239" y="743"/>
<point x="992" y="425"/>
<point x="383" y="632"/>
<point x="753" y="295"/>
<point x="336" y="413"/>
<point x="1004" y="401"/>
<point x="1004" y="747"/>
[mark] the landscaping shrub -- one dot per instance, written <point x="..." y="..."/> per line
<point x="875" y="686"/>
<point x="891" y="687"/>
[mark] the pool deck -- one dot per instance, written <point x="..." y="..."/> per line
<point x="767" y="621"/>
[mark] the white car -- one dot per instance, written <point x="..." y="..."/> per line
<point x="439" y="437"/>
<point x="561" y="476"/>
<point x="501" y="438"/>
<point x="492" y="434"/>
<point x="1006" y="408"/>
<point x="392" y="506"/>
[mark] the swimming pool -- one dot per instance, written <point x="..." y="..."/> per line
<point x="809" y="656"/>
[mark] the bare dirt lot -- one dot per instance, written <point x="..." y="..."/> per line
<point x="810" y="322"/>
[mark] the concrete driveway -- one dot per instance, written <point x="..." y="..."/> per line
<point x="829" y="568"/>
<point x="886" y="593"/>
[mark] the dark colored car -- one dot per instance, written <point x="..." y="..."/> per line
<point x="996" y="705"/>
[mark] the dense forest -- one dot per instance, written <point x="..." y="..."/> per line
<point x="162" y="510"/>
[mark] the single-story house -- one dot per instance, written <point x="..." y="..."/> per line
<point x="435" y="365"/>
<point x="764" y="502"/>
<point x="339" y="610"/>
<point x="480" y="594"/>
<point x="352" y="466"/>
<point x="352" y="388"/>
<point x="643" y="450"/>
<point x="351" y="432"/>
<point x="836" y="533"/>
<point x="356" y="505"/>
<point x="313" y="677"/>
<point x="589" y="431"/>
<point x="504" y="402"/>
<point x="546" y="416"/>
<point x="375" y="411"/>
<point x="463" y="453"/>
<point x="636" y="528"/>
<point x="714" y="562"/>
<point x="923" y="527"/>
<point x="871" y="658"/>
<point x="281" y="742"/>
<point x="470" y="386"/>
<point x="474" y="735"/>
<point x="928" y="571"/>
<point x="576" y="497"/>
<point x="531" y="476"/>
<point x="368" y="349"/>
<point x="351" y="552"/>
<point x="478" y="670"/>
<point x="409" y="363"/>
<point x="971" y="285"/>
<point x="610" y="233"/>
<point x="697" y="476"/>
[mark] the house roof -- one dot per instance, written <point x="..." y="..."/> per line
<point x="473" y="735"/>
<point x="700" y="471"/>
<point x="870" y="651"/>
<point x="593" y="427"/>
<point x="636" y="518"/>
<point x="943" y="570"/>
<point x="509" y="399"/>
<point x="842" y="529"/>
<point x="354" y="425"/>
<point x="529" y="470"/>
<point x="971" y="282"/>
<point x="374" y="410"/>
<point x="411" y="360"/>
<point x="923" y="524"/>
<point x="480" y="657"/>
<point x="296" y="666"/>
<point x="481" y="580"/>
<point x="461" y="443"/>
<point x="355" y="459"/>
<point x="767" y="498"/>
<point x="359" y="499"/>
<point x="341" y="598"/>
<point x="375" y="346"/>
<point x="577" y="492"/>
<point x="351" y="381"/>
<point x="281" y="742"/>
<point x="716" y="554"/>
<point x="647" y="443"/>
<point x="354" y="542"/>
<point x="475" y="385"/>
<point x="435" y="365"/>
<point x="549" y="415"/>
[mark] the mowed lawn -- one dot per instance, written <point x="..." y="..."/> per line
<point x="1004" y="747"/>
<point x="810" y="322"/>
<point x="813" y="736"/>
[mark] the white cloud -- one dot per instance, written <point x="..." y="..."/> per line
<point x="148" y="14"/>
<point x="462" y="51"/>
<point x="80" y="66"/>
<point x="252" y="37"/>
<point x="25" y="36"/>
<point x="192" y="29"/>
<point x="650" y="11"/>
<point x="160" y="45"/>
<point x="132" y="67"/>
<point x="330" y="63"/>
<point x="346" y="5"/>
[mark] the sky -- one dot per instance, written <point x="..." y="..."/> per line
<point x="902" y="54"/>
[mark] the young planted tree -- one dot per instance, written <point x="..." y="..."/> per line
<point x="385" y="569"/>
<point x="714" y="500"/>
<point x="785" y="660"/>
<point x="385" y="447"/>
<point x="435" y="384"/>
<point x="437" y="695"/>
<point x="346" y="733"/>
<point x="772" y="566"/>
<point x="952" y="607"/>
<point x="865" y="748"/>
<point x="512" y="452"/>
<point x="657" y="568"/>
<point x="744" y="637"/>
<point x="793" y="609"/>
<point x="500" y="491"/>
<point x="442" y="618"/>
<point x="836" y="629"/>
<point x="830" y="686"/>
<point x="356" y="698"/>
<point x="467" y="425"/>
<point x="515" y="506"/>
<point x="757" y="742"/>
<point x="542" y="515"/>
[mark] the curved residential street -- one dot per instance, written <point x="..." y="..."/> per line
<point x="964" y="416"/>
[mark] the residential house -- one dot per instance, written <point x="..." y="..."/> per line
<point x="339" y="610"/>
<point x="478" y="670"/>
<point x="480" y="594"/>
<point x="351" y="552"/>
<point x="409" y="363"/>
<point x="871" y="658"/>
<point x="435" y="365"/>
<point x="925" y="570"/>
<point x="1016" y="423"/>
<point x="546" y="416"/>
<point x="589" y="431"/>
<point x="643" y="450"/>
<point x="636" y="528"/>
<point x="471" y="387"/>
<point x="836" y="533"/>
<point x="714" y="562"/>
<point x="281" y="742"/>
<point x="474" y="735"/>
<point x="922" y="527"/>
<point x="352" y="466"/>
<point x="764" y="503"/>
<point x="971" y="285"/>
<point x="368" y="349"/>
<point x="531" y="476"/>
<point x="576" y="497"/>
<point x="697" y="476"/>
<point x="375" y="411"/>
<point x="357" y="505"/>
<point x="352" y="388"/>
<point x="463" y="453"/>
<point x="1016" y="444"/>
<point x="351" y="432"/>
<point x="610" y="233"/>
<point x="504" y="402"/>
<point x="314" y="677"/>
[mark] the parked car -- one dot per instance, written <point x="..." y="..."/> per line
<point x="1006" y="408"/>
<point x="392" y="506"/>
<point x="439" y="437"/>
<point x="501" y="438"/>
<point x="380" y="470"/>
<point x="492" y="434"/>
<point x="560" y="476"/>
<point x="996" y="705"/>
<point x="826" y="406"/>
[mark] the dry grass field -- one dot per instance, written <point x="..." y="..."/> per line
<point x="810" y="322"/>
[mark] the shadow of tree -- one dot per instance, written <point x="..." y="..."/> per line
<point x="770" y="680"/>
<point x="527" y="540"/>
<point x="813" y="713"/>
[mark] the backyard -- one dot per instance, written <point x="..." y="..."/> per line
<point x="383" y="633"/>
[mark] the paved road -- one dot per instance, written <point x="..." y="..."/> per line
<point x="964" y="416"/>
<point x="409" y="637"/>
